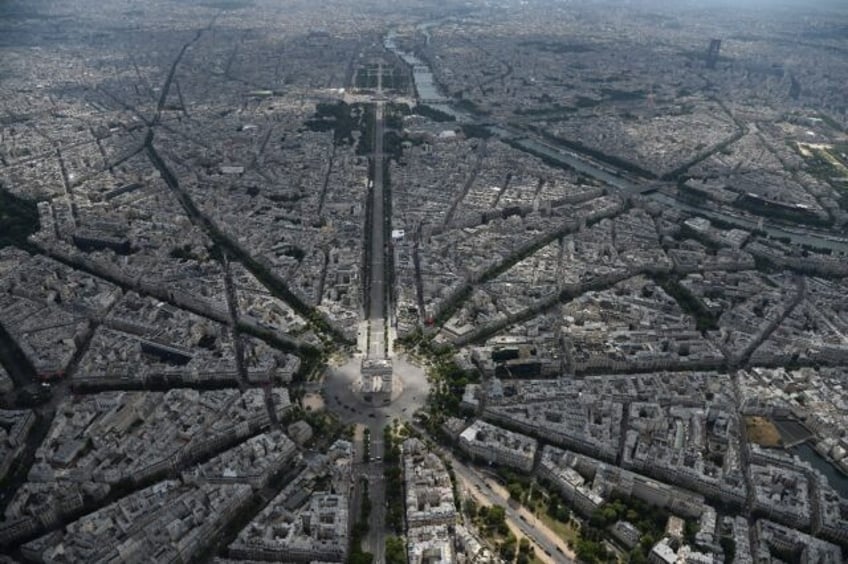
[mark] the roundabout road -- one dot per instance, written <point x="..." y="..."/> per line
<point x="341" y="398"/>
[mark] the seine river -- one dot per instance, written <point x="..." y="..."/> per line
<point x="427" y="89"/>
<point x="838" y="481"/>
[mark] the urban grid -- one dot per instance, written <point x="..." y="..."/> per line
<point x="424" y="281"/>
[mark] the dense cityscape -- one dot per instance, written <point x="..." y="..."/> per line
<point x="424" y="281"/>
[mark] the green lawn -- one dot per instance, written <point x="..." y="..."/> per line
<point x="566" y="531"/>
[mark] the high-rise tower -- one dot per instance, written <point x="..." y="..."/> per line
<point x="712" y="53"/>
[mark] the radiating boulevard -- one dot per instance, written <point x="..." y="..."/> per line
<point x="377" y="248"/>
<point x="377" y="334"/>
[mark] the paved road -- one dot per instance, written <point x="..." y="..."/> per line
<point x="377" y="338"/>
<point x="519" y="518"/>
<point x="375" y="542"/>
<point x="376" y="420"/>
<point x="340" y="399"/>
<point x="339" y="383"/>
<point x="377" y="248"/>
<point x="545" y="540"/>
<point x="467" y="490"/>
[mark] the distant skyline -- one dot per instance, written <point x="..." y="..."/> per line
<point x="27" y="6"/>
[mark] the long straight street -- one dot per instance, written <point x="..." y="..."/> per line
<point x="376" y="538"/>
<point x="377" y="248"/>
<point x="375" y="541"/>
<point x="342" y="394"/>
<point x="552" y="548"/>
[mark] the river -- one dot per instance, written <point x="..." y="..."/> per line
<point x="837" y="480"/>
<point x="424" y="82"/>
<point x="427" y="89"/>
<point x="428" y="92"/>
